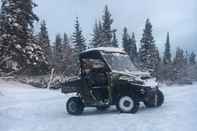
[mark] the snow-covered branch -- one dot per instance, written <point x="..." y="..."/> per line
<point x="4" y="60"/>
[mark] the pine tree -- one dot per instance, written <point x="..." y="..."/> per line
<point x="125" y="40"/>
<point x="66" y="41"/>
<point x="167" y="52"/>
<point x="114" y="40"/>
<point x="97" y="35"/>
<point x="44" y="41"/>
<point x="129" y="45"/>
<point x="100" y="28"/>
<point x="69" y="64"/>
<point x="179" y="65"/>
<point x="18" y="44"/>
<point x="148" y="53"/>
<point x="107" y="31"/>
<point x="133" y="48"/>
<point x="179" y="57"/>
<point x="192" y="58"/>
<point x="58" y="50"/>
<point x="165" y="71"/>
<point x="186" y="57"/>
<point x="78" y="38"/>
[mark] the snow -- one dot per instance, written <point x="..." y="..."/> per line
<point x="18" y="46"/>
<point x="16" y="24"/>
<point x="107" y="49"/>
<point x="30" y="48"/>
<point x="25" y="108"/>
<point x="151" y="82"/>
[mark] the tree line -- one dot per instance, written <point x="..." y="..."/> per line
<point x="22" y="50"/>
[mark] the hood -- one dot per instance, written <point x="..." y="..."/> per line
<point x="137" y="77"/>
<point x="133" y="73"/>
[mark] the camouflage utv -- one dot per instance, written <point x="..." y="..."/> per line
<point x="108" y="77"/>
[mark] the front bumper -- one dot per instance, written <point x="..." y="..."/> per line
<point x="151" y="83"/>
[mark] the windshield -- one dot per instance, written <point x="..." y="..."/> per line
<point x="119" y="62"/>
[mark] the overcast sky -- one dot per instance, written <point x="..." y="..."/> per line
<point x="175" y="16"/>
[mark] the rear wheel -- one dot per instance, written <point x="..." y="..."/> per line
<point x="126" y="104"/>
<point x="154" y="99"/>
<point x="74" y="106"/>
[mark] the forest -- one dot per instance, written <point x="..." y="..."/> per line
<point x="25" y="52"/>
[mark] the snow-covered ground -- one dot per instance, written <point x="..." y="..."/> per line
<point x="25" y="108"/>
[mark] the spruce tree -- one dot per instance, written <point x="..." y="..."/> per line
<point x="133" y="48"/>
<point x="58" y="50"/>
<point x="129" y="45"/>
<point x="18" y="44"/>
<point x="192" y="58"/>
<point x="186" y="57"/>
<point x="44" y="41"/>
<point x="167" y="52"/>
<point x="69" y="64"/>
<point x="100" y="28"/>
<point x="78" y="38"/>
<point x="125" y="40"/>
<point x="148" y="53"/>
<point x="114" y="40"/>
<point x="179" y="58"/>
<point x="107" y="31"/>
<point x="166" y="67"/>
<point x="179" y="65"/>
<point x="97" y="35"/>
<point x="65" y="41"/>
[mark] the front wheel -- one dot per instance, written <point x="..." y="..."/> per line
<point x="74" y="106"/>
<point x="154" y="99"/>
<point x="126" y="104"/>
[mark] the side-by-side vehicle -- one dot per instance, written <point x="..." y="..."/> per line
<point x="108" y="77"/>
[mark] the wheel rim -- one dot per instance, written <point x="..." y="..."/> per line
<point x="72" y="106"/>
<point x="126" y="103"/>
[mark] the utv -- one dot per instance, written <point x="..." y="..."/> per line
<point x="108" y="77"/>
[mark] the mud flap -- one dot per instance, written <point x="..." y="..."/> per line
<point x="156" y="96"/>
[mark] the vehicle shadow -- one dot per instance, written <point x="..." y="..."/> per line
<point x="113" y="111"/>
<point x="89" y="112"/>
